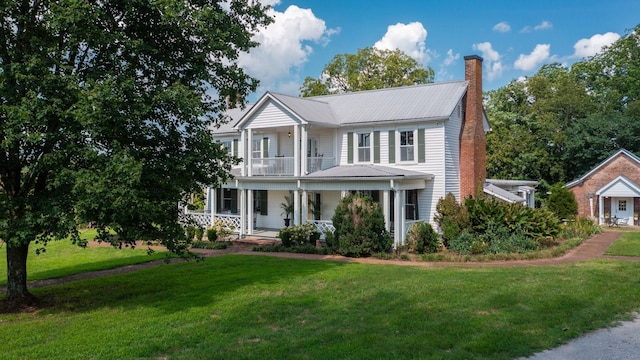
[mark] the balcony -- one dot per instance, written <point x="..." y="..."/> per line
<point x="285" y="166"/>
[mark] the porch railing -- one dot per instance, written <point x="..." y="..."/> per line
<point x="276" y="166"/>
<point x="203" y="219"/>
<point x="323" y="226"/>
<point x="319" y="163"/>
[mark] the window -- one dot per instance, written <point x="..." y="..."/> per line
<point x="411" y="207"/>
<point x="256" y="148"/>
<point x="622" y="205"/>
<point x="260" y="202"/>
<point x="227" y="145"/>
<point x="227" y="201"/>
<point x="407" y="149"/>
<point x="364" y="147"/>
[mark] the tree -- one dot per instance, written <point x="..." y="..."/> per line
<point x="368" y="69"/>
<point x="104" y="109"/>
<point x="612" y="75"/>
<point x="562" y="202"/>
<point x="593" y="139"/>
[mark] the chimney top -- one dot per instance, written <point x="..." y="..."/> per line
<point x="472" y="57"/>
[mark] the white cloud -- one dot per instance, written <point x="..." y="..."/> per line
<point x="491" y="59"/>
<point x="502" y="27"/>
<point x="539" y="55"/>
<point x="593" y="45"/>
<point x="544" y="25"/>
<point x="409" y="38"/>
<point x="284" y="44"/>
<point x="451" y="57"/>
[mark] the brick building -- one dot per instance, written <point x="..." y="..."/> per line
<point x="611" y="190"/>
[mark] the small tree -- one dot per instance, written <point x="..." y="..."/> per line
<point x="562" y="202"/>
<point x="360" y="230"/>
<point x="451" y="217"/>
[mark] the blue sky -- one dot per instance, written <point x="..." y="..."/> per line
<point x="515" y="38"/>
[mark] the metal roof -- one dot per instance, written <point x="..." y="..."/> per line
<point x="234" y="116"/>
<point x="435" y="101"/>
<point x="367" y="172"/>
<point x="419" y="102"/>
<point x="502" y="194"/>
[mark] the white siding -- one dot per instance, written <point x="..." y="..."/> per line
<point x="271" y="115"/>
<point x="452" y="152"/>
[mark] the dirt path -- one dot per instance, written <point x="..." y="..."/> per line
<point x="590" y="249"/>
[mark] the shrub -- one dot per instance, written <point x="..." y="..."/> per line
<point x="285" y="236"/>
<point x="360" y="230"/>
<point x="452" y="218"/>
<point x="199" y="233"/>
<point x="421" y="238"/>
<point x="582" y="228"/>
<point x="562" y="202"/>
<point x="212" y="234"/>
<point x="462" y="243"/>
<point x="218" y="245"/>
<point x="190" y="232"/>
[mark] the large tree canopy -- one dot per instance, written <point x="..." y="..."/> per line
<point x="559" y="123"/>
<point x="368" y="69"/>
<point x="104" y="108"/>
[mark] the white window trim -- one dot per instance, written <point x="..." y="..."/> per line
<point x="254" y="141"/>
<point x="399" y="146"/>
<point x="356" y="154"/>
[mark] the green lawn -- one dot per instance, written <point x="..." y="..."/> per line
<point x="628" y="244"/>
<point x="62" y="258"/>
<point x="259" y="307"/>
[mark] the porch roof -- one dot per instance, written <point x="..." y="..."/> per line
<point x="364" y="172"/>
<point x="502" y="194"/>
<point x="621" y="186"/>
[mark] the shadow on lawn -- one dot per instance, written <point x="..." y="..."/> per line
<point x="174" y="287"/>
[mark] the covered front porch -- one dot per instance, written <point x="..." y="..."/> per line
<point x="618" y="202"/>
<point x="254" y="205"/>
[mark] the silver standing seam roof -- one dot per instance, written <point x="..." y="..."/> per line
<point x="435" y="101"/>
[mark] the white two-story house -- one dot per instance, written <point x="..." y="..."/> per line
<point x="407" y="147"/>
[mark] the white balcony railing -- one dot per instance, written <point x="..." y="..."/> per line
<point x="277" y="166"/>
<point x="319" y="163"/>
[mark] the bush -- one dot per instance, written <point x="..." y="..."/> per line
<point x="190" y="232"/>
<point x="452" y="218"/>
<point x="199" y="233"/>
<point x="212" y="234"/>
<point x="360" y="230"/>
<point x="421" y="238"/>
<point x="285" y="237"/>
<point x="218" y="245"/>
<point x="462" y="243"/>
<point x="562" y="202"/>
<point x="299" y="235"/>
<point x="582" y="228"/>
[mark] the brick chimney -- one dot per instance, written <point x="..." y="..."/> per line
<point x="473" y="156"/>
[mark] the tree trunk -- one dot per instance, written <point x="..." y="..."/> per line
<point x="17" y="292"/>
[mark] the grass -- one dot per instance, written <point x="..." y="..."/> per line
<point x="62" y="258"/>
<point x="628" y="244"/>
<point x="250" y="307"/>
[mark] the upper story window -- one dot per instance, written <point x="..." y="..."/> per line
<point x="256" y="148"/>
<point x="407" y="147"/>
<point x="227" y="145"/>
<point x="364" y="147"/>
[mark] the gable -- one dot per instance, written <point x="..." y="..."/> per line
<point x="270" y="114"/>
<point x="620" y="187"/>
<point x="623" y="162"/>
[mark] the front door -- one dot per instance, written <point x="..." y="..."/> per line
<point x="622" y="208"/>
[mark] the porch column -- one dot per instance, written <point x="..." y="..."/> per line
<point x="403" y="215"/>
<point x="213" y="199"/>
<point x="250" y="212"/>
<point x="243" y="212"/>
<point x="243" y="146"/>
<point x="303" y="150"/>
<point x="249" y="153"/>
<point x="305" y="207"/>
<point x="343" y="194"/>
<point x="397" y="220"/>
<point x="296" y="207"/>
<point x="296" y="151"/>
<point x="385" y="209"/>
<point x="600" y="210"/>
